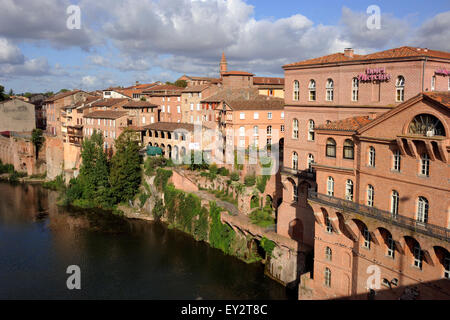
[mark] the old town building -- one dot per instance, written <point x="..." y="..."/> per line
<point x="382" y="203"/>
<point x="191" y="106"/>
<point x="168" y="98"/>
<point x="17" y="115"/>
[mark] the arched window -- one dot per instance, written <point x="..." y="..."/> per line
<point x="311" y="130"/>
<point x="295" y="160"/>
<point x="426" y="125"/>
<point x="327" y="277"/>
<point x="371" y="157"/>
<point x="349" y="152"/>
<point x="395" y="198"/>
<point x="269" y="130"/>
<point x="331" y="148"/>
<point x="370" y="195"/>
<point x="366" y="236"/>
<point x="310" y="162"/>
<point x="425" y="165"/>
<point x="396" y="161"/>
<point x="355" y="89"/>
<point x="296" y="90"/>
<point x="400" y="89"/>
<point x="418" y="256"/>
<point x="312" y="90"/>
<point x="330" y="186"/>
<point x="422" y="210"/>
<point x="328" y="253"/>
<point x="349" y="190"/>
<point x="329" y="90"/>
<point x="295" y="129"/>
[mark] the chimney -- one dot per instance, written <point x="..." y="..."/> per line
<point x="348" y="52"/>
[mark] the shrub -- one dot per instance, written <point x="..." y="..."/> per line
<point x="143" y="198"/>
<point x="250" y="180"/>
<point x="56" y="184"/>
<point x="223" y="172"/>
<point x="262" y="217"/>
<point x="234" y="176"/>
<point x="267" y="245"/>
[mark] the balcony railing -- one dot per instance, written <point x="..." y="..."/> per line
<point x="304" y="174"/>
<point x="382" y="215"/>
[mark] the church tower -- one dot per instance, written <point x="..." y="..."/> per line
<point x="223" y="65"/>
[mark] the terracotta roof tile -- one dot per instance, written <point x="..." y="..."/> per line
<point x="199" y="88"/>
<point x="106" y="114"/>
<point x="237" y="73"/>
<point x="268" y="80"/>
<point x="109" y="102"/>
<point x="348" y="124"/>
<point x="139" y="104"/>
<point x="442" y="97"/>
<point x="169" y="126"/>
<point x="61" y="95"/>
<point x="402" y="52"/>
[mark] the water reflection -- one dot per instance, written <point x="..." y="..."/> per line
<point x="118" y="258"/>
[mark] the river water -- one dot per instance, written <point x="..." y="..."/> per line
<point x="118" y="258"/>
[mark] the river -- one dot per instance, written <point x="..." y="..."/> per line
<point x="118" y="258"/>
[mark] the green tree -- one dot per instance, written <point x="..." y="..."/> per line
<point x="181" y="83"/>
<point x="2" y="93"/>
<point x="94" y="171"/>
<point x="125" y="174"/>
<point x="11" y="92"/>
<point x="37" y="139"/>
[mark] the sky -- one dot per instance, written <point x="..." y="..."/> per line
<point x="119" y="42"/>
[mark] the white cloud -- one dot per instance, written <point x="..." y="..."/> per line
<point x="434" y="33"/>
<point x="9" y="53"/>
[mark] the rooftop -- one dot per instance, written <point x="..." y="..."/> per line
<point x="106" y="114"/>
<point x="268" y="80"/>
<point x="199" y="88"/>
<point x="402" y="52"/>
<point x="139" y="104"/>
<point x="109" y="102"/>
<point x="348" y="124"/>
<point x="61" y="95"/>
<point x="237" y="73"/>
<point x="169" y="126"/>
<point x="442" y="97"/>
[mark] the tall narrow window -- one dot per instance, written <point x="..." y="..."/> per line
<point x="327" y="277"/>
<point x="400" y="89"/>
<point x="329" y="90"/>
<point x="349" y="190"/>
<point x="371" y="157"/>
<point x="418" y="256"/>
<point x="310" y="162"/>
<point x="295" y="129"/>
<point x="294" y="192"/>
<point x="422" y="210"/>
<point x="355" y="89"/>
<point x="366" y="235"/>
<point x="394" y="203"/>
<point x="295" y="160"/>
<point x="296" y="90"/>
<point x="311" y="130"/>
<point x="269" y="130"/>
<point x="330" y="186"/>
<point x="425" y="165"/>
<point x="390" y="246"/>
<point x="312" y="90"/>
<point x="331" y="148"/>
<point x="328" y="225"/>
<point x="255" y="131"/>
<point x="370" y="195"/>
<point x="328" y="253"/>
<point x="433" y="83"/>
<point x="396" y="161"/>
<point x="447" y="267"/>
<point x="349" y="152"/>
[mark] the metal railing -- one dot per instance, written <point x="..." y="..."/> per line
<point x="382" y="215"/>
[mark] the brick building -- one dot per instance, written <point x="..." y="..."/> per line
<point x="383" y="200"/>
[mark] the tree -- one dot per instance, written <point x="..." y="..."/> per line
<point x="181" y="83"/>
<point x="2" y="94"/>
<point x="38" y="140"/>
<point x="11" y="92"/>
<point x="94" y="171"/>
<point x="125" y="174"/>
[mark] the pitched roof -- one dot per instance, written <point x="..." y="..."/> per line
<point x="402" y="52"/>
<point x="268" y="80"/>
<point x="106" y="114"/>
<point x="61" y="95"/>
<point x="162" y="87"/>
<point x="257" y="104"/>
<point x="109" y="102"/>
<point x="169" y="126"/>
<point x="442" y="97"/>
<point x="237" y="73"/>
<point x="348" y="124"/>
<point x="139" y="104"/>
<point x="199" y="88"/>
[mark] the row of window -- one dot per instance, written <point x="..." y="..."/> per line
<point x="311" y="134"/>
<point x="422" y="202"/>
<point x="106" y="122"/>
<point x="256" y="115"/>
<point x="329" y="90"/>
<point x="256" y="130"/>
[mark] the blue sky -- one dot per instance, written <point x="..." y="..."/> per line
<point x="121" y="42"/>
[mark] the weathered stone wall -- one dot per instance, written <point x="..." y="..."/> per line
<point x="17" y="115"/>
<point x="54" y="157"/>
